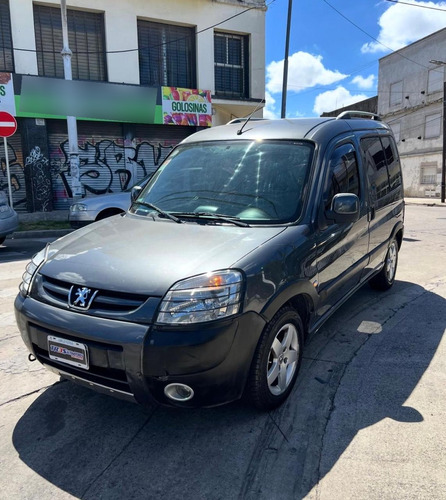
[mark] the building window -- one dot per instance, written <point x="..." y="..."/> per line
<point x="231" y="53"/>
<point x="86" y="39"/>
<point x="166" y="55"/>
<point x="432" y="126"/>
<point x="435" y="80"/>
<point x="396" y="93"/>
<point x="6" y="53"/>
<point x="429" y="173"/>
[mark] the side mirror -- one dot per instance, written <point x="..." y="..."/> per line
<point x="344" y="208"/>
<point x="135" y="192"/>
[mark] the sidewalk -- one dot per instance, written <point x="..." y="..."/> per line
<point x="430" y="202"/>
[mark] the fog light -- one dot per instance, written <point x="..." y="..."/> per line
<point x="179" y="392"/>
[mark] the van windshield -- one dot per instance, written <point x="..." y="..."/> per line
<point x="259" y="182"/>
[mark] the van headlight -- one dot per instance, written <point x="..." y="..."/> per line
<point x="31" y="269"/>
<point x="205" y="297"/>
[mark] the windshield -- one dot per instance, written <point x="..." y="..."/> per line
<point x="260" y="182"/>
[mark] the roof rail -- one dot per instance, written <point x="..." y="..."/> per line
<point x="348" y="115"/>
<point x="241" y="120"/>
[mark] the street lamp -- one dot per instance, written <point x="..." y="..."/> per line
<point x="443" y="159"/>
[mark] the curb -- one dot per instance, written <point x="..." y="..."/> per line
<point x="40" y="233"/>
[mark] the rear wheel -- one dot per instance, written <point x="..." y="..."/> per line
<point x="277" y="360"/>
<point x="386" y="277"/>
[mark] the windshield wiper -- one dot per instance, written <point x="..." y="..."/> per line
<point x="209" y="215"/>
<point x="161" y="212"/>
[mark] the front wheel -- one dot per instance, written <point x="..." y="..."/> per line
<point x="277" y="360"/>
<point x="386" y="277"/>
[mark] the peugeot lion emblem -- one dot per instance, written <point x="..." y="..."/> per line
<point x="81" y="297"/>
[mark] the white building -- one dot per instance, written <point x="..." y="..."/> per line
<point x="146" y="73"/>
<point x="410" y="99"/>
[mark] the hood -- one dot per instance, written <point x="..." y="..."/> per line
<point x="137" y="254"/>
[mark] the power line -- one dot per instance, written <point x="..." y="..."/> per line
<point x="417" y="5"/>
<point x="372" y="37"/>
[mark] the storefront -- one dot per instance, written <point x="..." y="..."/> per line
<point x="124" y="132"/>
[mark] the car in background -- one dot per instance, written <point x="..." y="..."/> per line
<point x="102" y="206"/>
<point x="9" y="220"/>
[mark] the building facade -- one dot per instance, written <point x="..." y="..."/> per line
<point x="146" y="74"/>
<point x="410" y="99"/>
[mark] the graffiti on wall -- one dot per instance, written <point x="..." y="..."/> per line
<point x="17" y="176"/>
<point x="105" y="167"/>
<point x="37" y="163"/>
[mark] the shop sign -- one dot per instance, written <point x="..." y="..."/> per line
<point x="7" y="100"/>
<point x="192" y="107"/>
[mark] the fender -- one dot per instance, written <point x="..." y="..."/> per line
<point x="301" y="287"/>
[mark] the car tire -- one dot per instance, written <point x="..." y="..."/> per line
<point x="386" y="277"/>
<point x="277" y="360"/>
<point x="2" y="239"/>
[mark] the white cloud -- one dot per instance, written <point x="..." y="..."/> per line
<point x="269" y="111"/>
<point x="402" y="24"/>
<point x="304" y="71"/>
<point x="335" y="99"/>
<point x="364" y="83"/>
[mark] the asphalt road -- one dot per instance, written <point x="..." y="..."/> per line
<point x="366" y="419"/>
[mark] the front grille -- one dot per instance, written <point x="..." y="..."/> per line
<point x="106" y="361"/>
<point x="106" y="302"/>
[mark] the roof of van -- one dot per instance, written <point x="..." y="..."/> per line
<point x="299" y="128"/>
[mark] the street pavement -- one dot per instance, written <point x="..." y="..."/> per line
<point x="366" y="419"/>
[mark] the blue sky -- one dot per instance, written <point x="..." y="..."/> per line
<point x="332" y="62"/>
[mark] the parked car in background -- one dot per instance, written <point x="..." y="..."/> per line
<point x="245" y="240"/>
<point x="100" y="207"/>
<point x="9" y="220"/>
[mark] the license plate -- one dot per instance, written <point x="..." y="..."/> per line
<point x="68" y="351"/>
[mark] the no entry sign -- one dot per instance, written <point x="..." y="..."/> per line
<point x="8" y="124"/>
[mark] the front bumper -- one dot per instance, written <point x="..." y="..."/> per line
<point x="81" y="218"/>
<point x="136" y="362"/>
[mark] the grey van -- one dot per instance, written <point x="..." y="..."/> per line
<point x="246" y="239"/>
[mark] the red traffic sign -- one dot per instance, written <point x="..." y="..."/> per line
<point x="8" y="124"/>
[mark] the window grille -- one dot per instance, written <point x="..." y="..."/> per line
<point x="166" y="55"/>
<point x="429" y="174"/>
<point x="86" y="40"/>
<point x="6" y="52"/>
<point x="231" y="54"/>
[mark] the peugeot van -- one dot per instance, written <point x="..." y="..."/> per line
<point x="246" y="239"/>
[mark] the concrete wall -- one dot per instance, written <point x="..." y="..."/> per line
<point x="411" y="66"/>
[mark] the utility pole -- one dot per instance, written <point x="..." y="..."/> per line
<point x="285" y="62"/>
<point x="76" y="185"/>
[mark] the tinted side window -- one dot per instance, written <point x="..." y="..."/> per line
<point x="343" y="175"/>
<point x="393" y="164"/>
<point x="376" y="168"/>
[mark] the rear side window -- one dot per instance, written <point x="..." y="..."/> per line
<point x="376" y="168"/>
<point x="383" y="168"/>
<point x="393" y="164"/>
<point x="343" y="175"/>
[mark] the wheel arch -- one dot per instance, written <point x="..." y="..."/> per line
<point x="301" y="296"/>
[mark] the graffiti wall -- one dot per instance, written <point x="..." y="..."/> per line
<point x="108" y="162"/>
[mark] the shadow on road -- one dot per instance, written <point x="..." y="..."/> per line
<point x="359" y="369"/>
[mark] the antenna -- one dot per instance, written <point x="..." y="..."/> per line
<point x="240" y="131"/>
